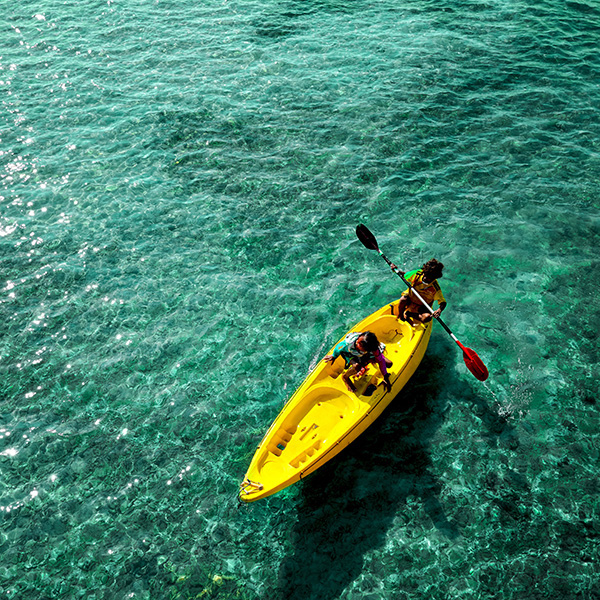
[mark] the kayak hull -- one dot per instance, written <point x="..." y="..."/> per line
<point x="323" y="417"/>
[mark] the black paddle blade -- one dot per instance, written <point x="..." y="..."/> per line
<point x="366" y="237"/>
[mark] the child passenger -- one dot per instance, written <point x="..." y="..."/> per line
<point x="358" y="350"/>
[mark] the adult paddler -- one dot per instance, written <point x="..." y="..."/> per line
<point x="424" y="280"/>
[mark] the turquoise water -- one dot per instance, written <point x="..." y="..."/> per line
<point x="180" y="183"/>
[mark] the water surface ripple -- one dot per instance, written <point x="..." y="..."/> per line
<point x="179" y="187"/>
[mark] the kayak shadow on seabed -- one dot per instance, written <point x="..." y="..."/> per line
<point x="347" y="506"/>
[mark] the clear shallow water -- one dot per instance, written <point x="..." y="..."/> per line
<point x="179" y="189"/>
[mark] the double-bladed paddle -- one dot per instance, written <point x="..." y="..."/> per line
<point x="472" y="361"/>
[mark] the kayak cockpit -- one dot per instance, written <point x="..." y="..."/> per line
<point x="308" y="426"/>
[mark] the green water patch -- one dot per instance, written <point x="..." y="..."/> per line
<point x="179" y="188"/>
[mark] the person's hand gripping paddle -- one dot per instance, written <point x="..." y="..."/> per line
<point x="472" y="361"/>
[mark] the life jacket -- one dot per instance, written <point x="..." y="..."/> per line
<point x="348" y="350"/>
<point x="430" y="292"/>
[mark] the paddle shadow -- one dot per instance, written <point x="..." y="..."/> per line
<point x="348" y="506"/>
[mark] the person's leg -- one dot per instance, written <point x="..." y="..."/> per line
<point x="417" y="313"/>
<point x="424" y="315"/>
<point x="403" y="304"/>
<point x="346" y="378"/>
<point x="349" y="372"/>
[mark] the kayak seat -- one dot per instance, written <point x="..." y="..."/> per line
<point x="388" y="329"/>
<point x="320" y="396"/>
<point x="320" y="407"/>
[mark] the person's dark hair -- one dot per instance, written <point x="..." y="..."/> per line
<point x="433" y="267"/>
<point x="370" y="340"/>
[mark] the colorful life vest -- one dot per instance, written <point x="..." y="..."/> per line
<point x="430" y="292"/>
<point x="348" y="350"/>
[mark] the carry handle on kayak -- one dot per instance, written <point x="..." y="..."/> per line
<point x="472" y="360"/>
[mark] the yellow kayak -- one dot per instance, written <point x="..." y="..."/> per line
<point x="323" y="417"/>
